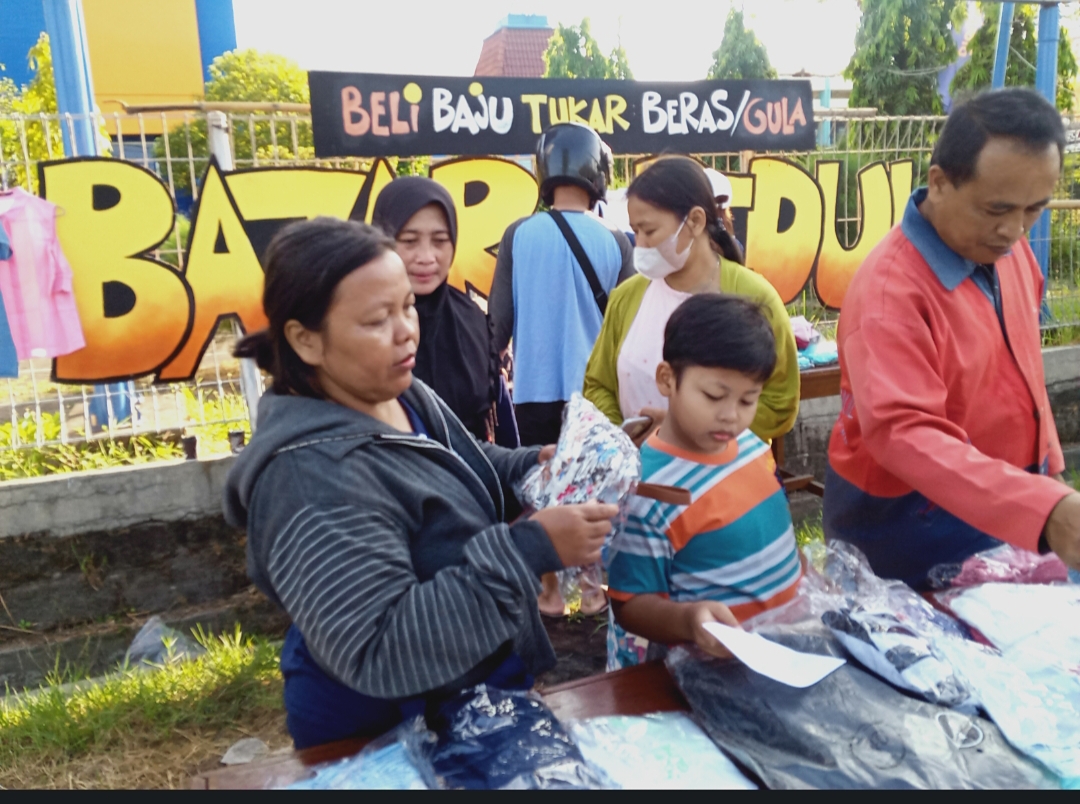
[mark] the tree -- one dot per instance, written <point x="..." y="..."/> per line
<point x="31" y="100"/>
<point x="740" y="54"/>
<point x="978" y="71"/>
<point x="900" y="47"/>
<point x="248" y="75"/>
<point x="572" y="52"/>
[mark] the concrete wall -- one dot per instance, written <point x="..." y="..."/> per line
<point x="807" y="444"/>
<point x="84" y="502"/>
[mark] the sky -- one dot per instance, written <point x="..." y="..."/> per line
<point x="663" y="41"/>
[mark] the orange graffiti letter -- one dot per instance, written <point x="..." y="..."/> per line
<point x="776" y="118"/>
<point x="762" y="120"/>
<point x="350" y="105"/>
<point x="377" y="111"/>
<point x="397" y="126"/>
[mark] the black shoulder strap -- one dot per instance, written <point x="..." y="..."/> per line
<point x="583" y="259"/>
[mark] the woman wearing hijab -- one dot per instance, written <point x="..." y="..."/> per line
<point x="457" y="357"/>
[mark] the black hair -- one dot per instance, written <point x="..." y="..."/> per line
<point x="716" y="330"/>
<point x="1016" y="113"/>
<point x="678" y="184"/>
<point x="305" y="262"/>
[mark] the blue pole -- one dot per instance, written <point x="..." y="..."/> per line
<point x="71" y="68"/>
<point x="1046" y="84"/>
<point x="1001" y="55"/>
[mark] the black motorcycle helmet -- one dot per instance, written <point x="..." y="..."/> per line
<point x="570" y="153"/>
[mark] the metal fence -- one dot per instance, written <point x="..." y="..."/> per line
<point x="35" y="412"/>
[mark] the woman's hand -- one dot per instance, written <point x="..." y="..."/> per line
<point x="708" y="611"/>
<point x="577" y="531"/>
<point x="546" y="454"/>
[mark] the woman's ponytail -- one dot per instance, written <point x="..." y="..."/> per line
<point x="725" y="242"/>
<point x="260" y="347"/>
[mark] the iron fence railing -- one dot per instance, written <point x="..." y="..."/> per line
<point x="35" y="412"/>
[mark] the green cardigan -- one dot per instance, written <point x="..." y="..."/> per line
<point x="779" y="405"/>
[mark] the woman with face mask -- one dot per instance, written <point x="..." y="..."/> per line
<point x="681" y="249"/>
<point x="457" y="355"/>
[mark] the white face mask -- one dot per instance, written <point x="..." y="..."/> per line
<point x="663" y="260"/>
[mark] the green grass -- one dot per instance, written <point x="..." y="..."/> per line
<point x="808" y="531"/>
<point x="229" y="410"/>
<point x="130" y="729"/>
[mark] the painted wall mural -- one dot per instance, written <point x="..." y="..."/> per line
<point x="142" y="316"/>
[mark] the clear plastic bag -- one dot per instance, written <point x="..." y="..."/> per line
<point x="665" y="750"/>
<point x="156" y="644"/>
<point x="1001" y="564"/>
<point x="491" y="739"/>
<point x="384" y="764"/>
<point x="850" y="730"/>
<point x="594" y="460"/>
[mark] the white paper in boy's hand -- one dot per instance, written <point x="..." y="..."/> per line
<point x="775" y="661"/>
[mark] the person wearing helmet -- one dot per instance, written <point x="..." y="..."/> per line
<point x="541" y="294"/>
<point x="553" y="274"/>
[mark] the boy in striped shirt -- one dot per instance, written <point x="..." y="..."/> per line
<point x="730" y="553"/>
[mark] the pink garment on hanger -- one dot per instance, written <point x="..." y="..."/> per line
<point x="36" y="281"/>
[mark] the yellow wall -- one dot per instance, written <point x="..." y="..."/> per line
<point x="143" y="51"/>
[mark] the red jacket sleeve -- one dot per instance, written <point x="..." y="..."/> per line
<point x="900" y="400"/>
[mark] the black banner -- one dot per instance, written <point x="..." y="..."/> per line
<point x="365" y="114"/>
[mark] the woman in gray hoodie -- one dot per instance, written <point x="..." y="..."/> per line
<point x="373" y="517"/>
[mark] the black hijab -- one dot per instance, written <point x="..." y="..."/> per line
<point x="457" y="355"/>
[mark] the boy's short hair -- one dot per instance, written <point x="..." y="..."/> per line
<point x="715" y="330"/>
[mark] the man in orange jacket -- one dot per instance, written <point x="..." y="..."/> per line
<point x="946" y="443"/>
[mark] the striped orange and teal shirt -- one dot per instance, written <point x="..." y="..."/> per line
<point x="733" y="543"/>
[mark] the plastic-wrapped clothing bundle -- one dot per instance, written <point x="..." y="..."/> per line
<point x="1032" y="697"/>
<point x="1003" y="564"/>
<point x="848" y="731"/>
<point x="893" y="651"/>
<point x="490" y="739"/>
<point x="384" y="764"/>
<point x="666" y="750"/>
<point x="594" y="460"/>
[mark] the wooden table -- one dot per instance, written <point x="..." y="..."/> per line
<point x="633" y="691"/>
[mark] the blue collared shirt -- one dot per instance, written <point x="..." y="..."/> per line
<point x="949" y="267"/>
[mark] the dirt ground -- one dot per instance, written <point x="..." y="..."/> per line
<point x="581" y="647"/>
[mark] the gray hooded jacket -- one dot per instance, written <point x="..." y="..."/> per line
<point x="388" y="550"/>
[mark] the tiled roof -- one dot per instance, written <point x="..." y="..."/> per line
<point x="514" y="52"/>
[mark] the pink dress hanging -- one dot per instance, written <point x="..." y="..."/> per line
<point x="35" y="281"/>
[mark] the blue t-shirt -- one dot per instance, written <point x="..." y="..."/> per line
<point x="556" y="319"/>
<point x="9" y="361"/>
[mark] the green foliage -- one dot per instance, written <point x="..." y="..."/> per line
<point x="20" y="457"/>
<point x="20" y="461"/>
<point x="217" y="689"/>
<point x="37" y="97"/>
<point x="572" y="52"/>
<point x="740" y="55"/>
<point x="248" y="75"/>
<point x="1023" y="43"/>
<point x="899" y="49"/>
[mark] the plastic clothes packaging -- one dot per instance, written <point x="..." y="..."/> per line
<point x="384" y="764"/>
<point x="594" y="460"/>
<point x="1004" y="564"/>
<point x="666" y="750"/>
<point x="891" y="650"/>
<point x="848" y="731"/>
<point x="490" y="739"/>
<point x="157" y="644"/>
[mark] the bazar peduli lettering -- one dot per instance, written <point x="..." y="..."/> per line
<point x="142" y="316"/>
